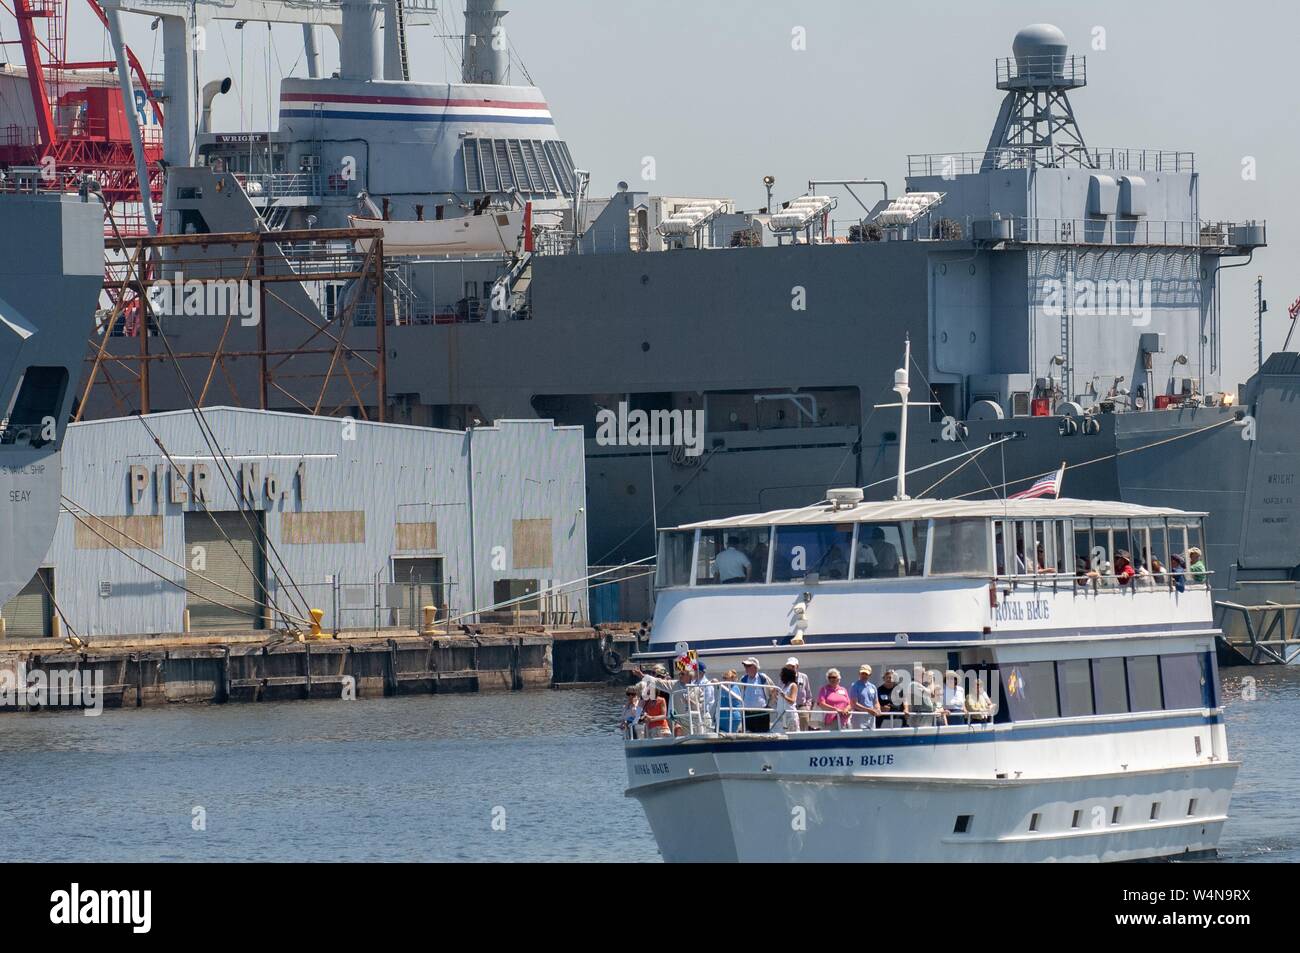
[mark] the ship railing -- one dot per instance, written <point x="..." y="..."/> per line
<point x="1068" y="70"/>
<point x="949" y="165"/>
<point x="719" y="708"/>
<point x="279" y="185"/>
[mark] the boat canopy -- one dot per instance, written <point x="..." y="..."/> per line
<point x="897" y="510"/>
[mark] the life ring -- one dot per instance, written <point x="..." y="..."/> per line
<point x="612" y="661"/>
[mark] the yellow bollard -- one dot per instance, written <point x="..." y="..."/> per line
<point x="185" y="621"/>
<point x="316" y="616"/>
<point x="430" y="614"/>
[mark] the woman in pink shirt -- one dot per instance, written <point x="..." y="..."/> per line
<point x="834" y="700"/>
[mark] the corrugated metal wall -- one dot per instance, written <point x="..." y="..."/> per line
<point x="384" y="474"/>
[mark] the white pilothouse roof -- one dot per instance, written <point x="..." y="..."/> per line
<point x="891" y="511"/>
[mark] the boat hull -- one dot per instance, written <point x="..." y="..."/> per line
<point x="835" y="797"/>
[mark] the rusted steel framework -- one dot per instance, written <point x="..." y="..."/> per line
<point x="266" y="259"/>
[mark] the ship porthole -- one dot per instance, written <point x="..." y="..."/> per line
<point x="645" y="346"/>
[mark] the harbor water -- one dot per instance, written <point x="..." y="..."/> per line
<point x="532" y="776"/>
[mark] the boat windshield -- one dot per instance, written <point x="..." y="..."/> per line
<point x="675" y="548"/>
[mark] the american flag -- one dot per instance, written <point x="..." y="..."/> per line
<point x="1049" y="483"/>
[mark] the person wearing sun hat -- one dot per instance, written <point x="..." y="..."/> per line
<point x="864" y="697"/>
<point x="804" y="697"/>
<point x="1196" y="565"/>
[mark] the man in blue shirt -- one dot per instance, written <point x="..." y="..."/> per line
<point x="757" y="694"/>
<point x="865" y="698"/>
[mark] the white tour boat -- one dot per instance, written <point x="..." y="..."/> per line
<point x="1104" y="739"/>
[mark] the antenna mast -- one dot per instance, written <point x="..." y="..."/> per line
<point x="903" y="389"/>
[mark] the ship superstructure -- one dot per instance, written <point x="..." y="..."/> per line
<point x="1063" y="298"/>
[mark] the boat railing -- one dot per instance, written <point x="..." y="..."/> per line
<point x="1098" y="582"/>
<point x="720" y="708"/>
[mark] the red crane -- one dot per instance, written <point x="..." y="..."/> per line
<point x="80" y="130"/>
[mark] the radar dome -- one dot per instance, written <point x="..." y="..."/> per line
<point x="1039" y="43"/>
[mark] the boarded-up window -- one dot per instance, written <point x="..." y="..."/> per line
<point x="417" y="536"/>
<point x="532" y="543"/>
<point x="118" y="532"/>
<point x="339" y="526"/>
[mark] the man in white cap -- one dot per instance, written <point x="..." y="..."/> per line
<point x="804" y="699"/>
<point x="757" y="694"/>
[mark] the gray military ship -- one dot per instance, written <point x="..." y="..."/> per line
<point x="51" y="270"/>
<point x="1063" y="300"/>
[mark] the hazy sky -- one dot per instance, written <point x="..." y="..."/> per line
<point x="714" y="91"/>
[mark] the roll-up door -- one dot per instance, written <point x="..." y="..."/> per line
<point x="218" y="556"/>
<point x="27" y="615"/>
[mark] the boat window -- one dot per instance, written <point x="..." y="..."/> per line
<point x="889" y="549"/>
<point x="1143" y="682"/>
<point x="1141" y="530"/>
<point x="1025" y="547"/>
<point x="1000" y="547"/>
<point x="959" y="547"/>
<point x="1108" y="537"/>
<point x="1074" y="677"/>
<point x="1185" y="681"/>
<point x="675" y="549"/>
<point x="1048" y="547"/>
<point x="1109" y="686"/>
<point x="801" y="550"/>
<point x="1030" y="690"/>
<point x="1082" y="546"/>
<point x="732" y="556"/>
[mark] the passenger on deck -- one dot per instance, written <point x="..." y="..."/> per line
<point x="1177" y="573"/>
<point x="979" y="707"/>
<point x="785" y="717"/>
<point x="1159" y="575"/>
<point x="757" y="694"/>
<point x="889" y="699"/>
<point x="805" y="700"/>
<point x="865" y="698"/>
<point x="729" y="703"/>
<point x="631" y="719"/>
<point x="654" y="705"/>
<point x="918" y="703"/>
<point x="954" y="696"/>
<point x="732" y="564"/>
<point x="834" y="700"/>
<point x="1124" y="571"/>
<point x="1197" y="568"/>
<point x="686" y="706"/>
<point x="706" y="687"/>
